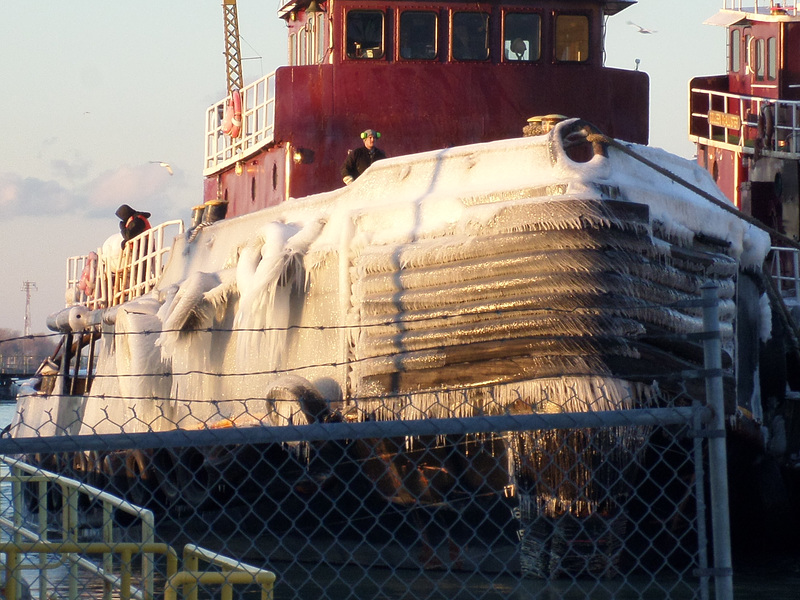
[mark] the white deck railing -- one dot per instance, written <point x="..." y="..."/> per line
<point x="734" y="119"/>
<point x="258" y="126"/>
<point x="99" y="281"/>
<point x="763" y="6"/>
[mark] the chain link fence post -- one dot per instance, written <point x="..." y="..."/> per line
<point x="718" y="464"/>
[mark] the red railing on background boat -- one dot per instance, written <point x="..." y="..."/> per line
<point x="751" y="123"/>
<point x="788" y="7"/>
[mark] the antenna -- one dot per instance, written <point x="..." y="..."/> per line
<point x="28" y="287"/>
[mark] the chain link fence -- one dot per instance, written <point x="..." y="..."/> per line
<point x="576" y="504"/>
<point x="577" y="487"/>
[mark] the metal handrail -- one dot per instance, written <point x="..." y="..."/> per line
<point x="143" y="260"/>
<point x="233" y="572"/>
<point x="21" y="473"/>
<point x="755" y="6"/>
<point x="116" y="278"/>
<point x="783" y="260"/>
<point x="125" y="550"/>
<point x="227" y="579"/>
<point x="737" y="116"/>
<point x="258" y="126"/>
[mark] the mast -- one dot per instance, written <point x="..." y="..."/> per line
<point x="233" y="53"/>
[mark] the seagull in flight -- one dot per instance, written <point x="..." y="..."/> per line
<point x="642" y="29"/>
<point x="161" y="163"/>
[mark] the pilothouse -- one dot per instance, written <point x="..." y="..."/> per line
<point x="426" y="76"/>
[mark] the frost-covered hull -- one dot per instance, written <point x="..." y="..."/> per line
<point x="487" y="280"/>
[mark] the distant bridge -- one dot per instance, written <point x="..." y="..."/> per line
<point x="19" y="365"/>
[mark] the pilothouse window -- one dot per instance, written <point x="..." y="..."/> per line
<point x="572" y="38"/>
<point x="418" y="35"/>
<point x="365" y="34"/>
<point x="319" y="29"/>
<point x="470" y="36"/>
<point x="772" y="59"/>
<point x="736" y="51"/>
<point x="521" y="37"/>
<point x="293" y="49"/>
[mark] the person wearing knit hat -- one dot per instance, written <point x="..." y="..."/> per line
<point x="361" y="158"/>
<point x="131" y="222"/>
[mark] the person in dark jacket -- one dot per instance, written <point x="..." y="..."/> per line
<point x="131" y="222"/>
<point x="359" y="159"/>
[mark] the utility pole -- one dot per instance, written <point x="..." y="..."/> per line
<point x="28" y="287"/>
<point x="27" y="344"/>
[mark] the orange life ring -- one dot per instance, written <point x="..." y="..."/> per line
<point x="232" y="122"/>
<point x="88" y="275"/>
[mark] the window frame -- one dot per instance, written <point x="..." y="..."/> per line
<point x="504" y="27"/>
<point x="772" y="58"/>
<point x="381" y="55"/>
<point x="292" y="49"/>
<point x="436" y="34"/>
<point x="588" y="39"/>
<point x="735" y="63"/>
<point x="488" y="26"/>
<point x="749" y="50"/>
<point x="302" y="45"/>
<point x="320" y="23"/>
<point x="761" y="62"/>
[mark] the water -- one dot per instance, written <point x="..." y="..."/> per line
<point x="6" y="413"/>
<point x="779" y="580"/>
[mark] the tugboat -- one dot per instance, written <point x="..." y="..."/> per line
<point x="746" y="124"/>
<point x="473" y="272"/>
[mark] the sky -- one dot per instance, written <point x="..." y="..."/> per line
<point x="97" y="92"/>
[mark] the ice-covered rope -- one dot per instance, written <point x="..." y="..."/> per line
<point x="602" y="138"/>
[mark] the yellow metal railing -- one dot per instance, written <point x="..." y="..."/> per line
<point x="125" y="551"/>
<point x="72" y="551"/>
<point x="65" y="492"/>
<point x="232" y="572"/>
